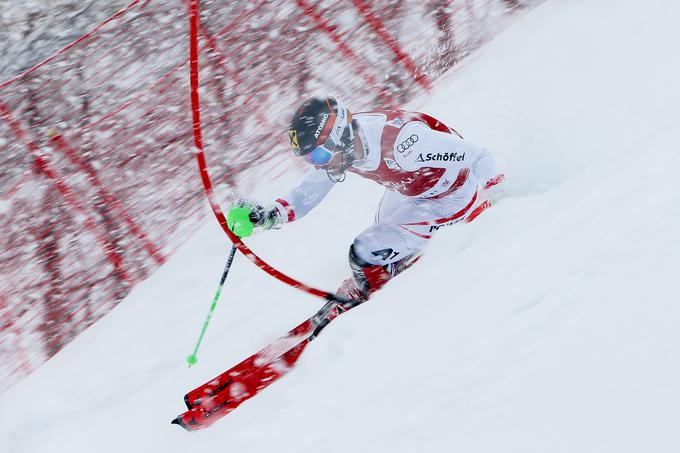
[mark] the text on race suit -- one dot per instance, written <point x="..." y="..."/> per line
<point x="446" y="157"/>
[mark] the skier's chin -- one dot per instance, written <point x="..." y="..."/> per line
<point x="337" y="172"/>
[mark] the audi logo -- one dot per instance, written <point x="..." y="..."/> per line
<point x="406" y="144"/>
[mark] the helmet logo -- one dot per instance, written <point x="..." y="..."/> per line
<point x="292" y="135"/>
<point x="321" y="125"/>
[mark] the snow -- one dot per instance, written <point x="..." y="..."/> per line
<point x="548" y="324"/>
<point x="5" y="206"/>
<point x="32" y="30"/>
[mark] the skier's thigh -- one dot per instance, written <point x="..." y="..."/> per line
<point x="384" y="243"/>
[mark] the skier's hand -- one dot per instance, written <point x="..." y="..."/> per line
<point x="238" y="220"/>
<point x="244" y="216"/>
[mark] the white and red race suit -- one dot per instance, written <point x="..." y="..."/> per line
<point x="433" y="178"/>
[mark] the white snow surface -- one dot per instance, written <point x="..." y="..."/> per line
<point x="550" y="324"/>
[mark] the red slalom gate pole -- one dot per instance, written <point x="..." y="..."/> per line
<point x="205" y="177"/>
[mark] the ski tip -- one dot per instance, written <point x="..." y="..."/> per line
<point x="178" y="421"/>
<point x="189" y="421"/>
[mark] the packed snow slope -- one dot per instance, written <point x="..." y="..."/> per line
<point x="550" y="324"/>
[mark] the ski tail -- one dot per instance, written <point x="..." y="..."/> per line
<point x="237" y="373"/>
<point x="218" y="397"/>
<point x="240" y="389"/>
<point x="192" y="420"/>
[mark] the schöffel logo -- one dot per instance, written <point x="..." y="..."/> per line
<point x="445" y="157"/>
<point x="321" y="125"/>
<point x="406" y="144"/>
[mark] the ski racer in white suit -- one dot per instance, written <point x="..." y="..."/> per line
<point x="433" y="178"/>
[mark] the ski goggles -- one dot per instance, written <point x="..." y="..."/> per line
<point x="336" y="131"/>
<point x="320" y="155"/>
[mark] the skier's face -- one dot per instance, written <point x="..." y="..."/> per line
<point x="329" y="157"/>
<point x="337" y="163"/>
<point x="335" y="156"/>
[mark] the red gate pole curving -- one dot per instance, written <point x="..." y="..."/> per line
<point x="203" y="169"/>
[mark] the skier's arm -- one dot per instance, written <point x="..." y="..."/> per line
<point x="244" y="216"/>
<point x="305" y="197"/>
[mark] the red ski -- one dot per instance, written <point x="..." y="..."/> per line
<point x="221" y="395"/>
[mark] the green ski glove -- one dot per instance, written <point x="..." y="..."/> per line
<point x="243" y="217"/>
<point x="239" y="222"/>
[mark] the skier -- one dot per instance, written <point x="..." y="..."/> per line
<point x="433" y="179"/>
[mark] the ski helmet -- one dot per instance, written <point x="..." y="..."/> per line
<point x="320" y="129"/>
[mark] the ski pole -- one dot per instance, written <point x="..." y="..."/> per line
<point x="192" y="359"/>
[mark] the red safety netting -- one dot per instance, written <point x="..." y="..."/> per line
<point x="98" y="183"/>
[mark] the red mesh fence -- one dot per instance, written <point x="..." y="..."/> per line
<point x="98" y="182"/>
